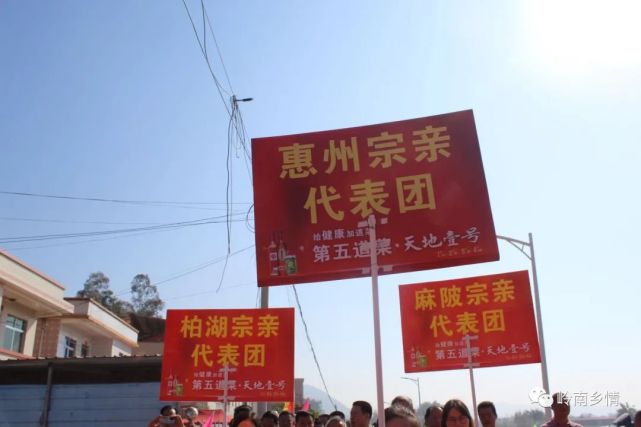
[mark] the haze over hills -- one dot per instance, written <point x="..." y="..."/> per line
<point x="315" y="393"/>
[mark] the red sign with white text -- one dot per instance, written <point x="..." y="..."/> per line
<point x="240" y="354"/>
<point x="422" y="179"/>
<point x="497" y="309"/>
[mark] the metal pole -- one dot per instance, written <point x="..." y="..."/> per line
<point x="467" y="339"/>
<point x="519" y="244"/>
<point x="261" y="407"/>
<point x="46" y="407"/>
<point x="416" y="381"/>
<point x="371" y="221"/>
<point x="539" y="324"/>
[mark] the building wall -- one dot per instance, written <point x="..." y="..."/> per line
<point x="96" y="405"/>
<point x="23" y="277"/>
<point x="73" y="333"/>
<point x="24" y="313"/>
<point x="101" y="347"/>
<point x="46" y="340"/>
<point x="111" y="321"/>
<point x="120" y="349"/>
<point x="149" y="348"/>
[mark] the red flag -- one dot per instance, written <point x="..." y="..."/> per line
<point x="210" y="420"/>
<point x="288" y="406"/>
<point x="305" y="405"/>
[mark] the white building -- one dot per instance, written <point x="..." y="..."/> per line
<point x="36" y="320"/>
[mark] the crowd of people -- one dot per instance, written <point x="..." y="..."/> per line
<point x="400" y="413"/>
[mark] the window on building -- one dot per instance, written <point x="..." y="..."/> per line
<point x="14" y="330"/>
<point x="70" y="347"/>
<point x="84" y="350"/>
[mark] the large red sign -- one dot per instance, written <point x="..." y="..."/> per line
<point x="238" y="355"/>
<point x="422" y="179"/>
<point x="497" y="309"/>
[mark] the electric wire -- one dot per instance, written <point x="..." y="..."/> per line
<point x="19" y="239"/>
<point x="309" y="340"/>
<point x="119" y="201"/>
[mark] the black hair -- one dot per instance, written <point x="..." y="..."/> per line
<point x="459" y="406"/>
<point x="301" y="414"/>
<point x="364" y="406"/>
<point x="164" y="408"/>
<point x="487" y="404"/>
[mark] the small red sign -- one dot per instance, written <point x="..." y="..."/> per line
<point x="237" y="355"/>
<point x="497" y="309"/>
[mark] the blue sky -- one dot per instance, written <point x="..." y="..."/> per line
<point x="114" y="100"/>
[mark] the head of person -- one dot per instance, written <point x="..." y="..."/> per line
<point x="456" y="414"/>
<point x="403" y="401"/>
<point x="487" y="413"/>
<point x="560" y="408"/>
<point x="335" y="421"/>
<point x="167" y="411"/>
<point x="285" y="419"/>
<point x="637" y="419"/>
<point x="361" y="414"/>
<point x="400" y="416"/>
<point x="433" y="416"/>
<point x="321" y="420"/>
<point x="337" y="414"/>
<point x="269" y="419"/>
<point x="304" y="419"/>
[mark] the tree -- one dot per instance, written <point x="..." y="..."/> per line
<point x="145" y="298"/>
<point x="626" y="408"/>
<point x="96" y="287"/>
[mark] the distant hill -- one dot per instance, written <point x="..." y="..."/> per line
<point x="318" y="394"/>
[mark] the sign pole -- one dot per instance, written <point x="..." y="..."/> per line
<point x="520" y="245"/>
<point x="371" y="222"/>
<point x="470" y="365"/>
<point x="226" y="370"/>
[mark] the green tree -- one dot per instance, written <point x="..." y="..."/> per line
<point x="626" y="408"/>
<point x="145" y="298"/>
<point x="96" y="287"/>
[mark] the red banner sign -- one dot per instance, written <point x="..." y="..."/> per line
<point x="497" y="309"/>
<point x="244" y="355"/>
<point x="423" y="180"/>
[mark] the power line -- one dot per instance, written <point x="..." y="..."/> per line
<point x="309" y="340"/>
<point x="121" y="201"/>
<point x="202" y="221"/>
<point x="195" y="269"/>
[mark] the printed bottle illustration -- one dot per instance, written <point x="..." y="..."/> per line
<point x="272" y="250"/>
<point x="281" y="262"/>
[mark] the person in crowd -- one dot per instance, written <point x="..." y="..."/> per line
<point x="637" y="419"/>
<point x="337" y="413"/>
<point x="335" y="421"/>
<point x="403" y="401"/>
<point x="360" y="414"/>
<point x="433" y="416"/>
<point x="400" y="416"/>
<point x="167" y="418"/>
<point x="456" y="414"/>
<point x="321" y="420"/>
<point x="561" y="412"/>
<point x="304" y="419"/>
<point x="269" y="419"/>
<point x="286" y="419"/>
<point x="243" y="417"/>
<point x="487" y="413"/>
